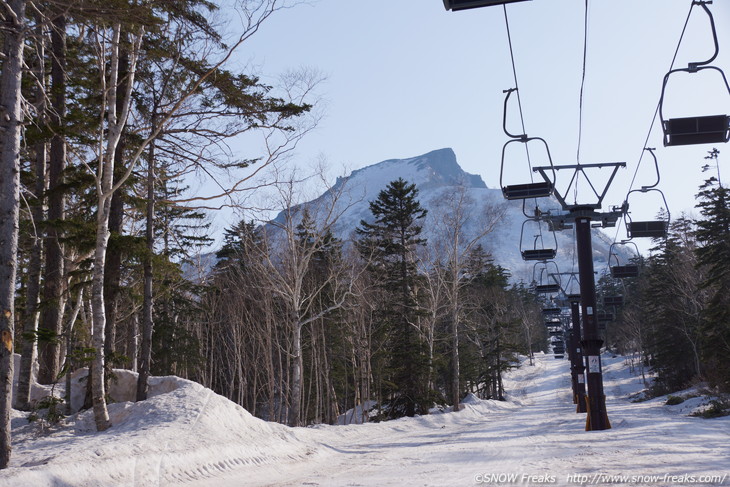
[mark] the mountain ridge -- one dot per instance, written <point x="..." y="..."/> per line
<point x="438" y="176"/>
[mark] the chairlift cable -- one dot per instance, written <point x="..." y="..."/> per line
<point x="656" y="111"/>
<point x="517" y="86"/>
<point x="582" y="82"/>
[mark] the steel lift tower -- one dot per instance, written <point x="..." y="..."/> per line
<point x="583" y="217"/>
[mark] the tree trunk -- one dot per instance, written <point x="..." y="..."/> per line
<point x="29" y="351"/>
<point x="147" y="323"/>
<point x="296" y="376"/>
<point x="132" y="341"/>
<point x="69" y="340"/>
<point x="455" y="374"/>
<point x="53" y="296"/>
<point x="98" y="317"/>
<point x="113" y="275"/>
<point x="105" y="186"/>
<point x="113" y="266"/>
<point x="455" y="370"/>
<point x="10" y="126"/>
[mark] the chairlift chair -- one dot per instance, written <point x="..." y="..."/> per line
<point x="619" y="271"/>
<point x="708" y="129"/>
<point x="613" y="300"/>
<point x="551" y="311"/>
<point x="529" y="190"/>
<point x="567" y="299"/>
<point x="624" y="271"/>
<point x="604" y="317"/>
<point x="456" y="5"/>
<point x="650" y="229"/>
<point x="535" y="253"/>
<point x="547" y="288"/>
<point x="646" y="228"/>
<point x="542" y="278"/>
<point x="704" y="129"/>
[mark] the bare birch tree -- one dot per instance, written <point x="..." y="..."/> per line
<point x="457" y="233"/>
<point x="112" y="120"/>
<point x="288" y="265"/>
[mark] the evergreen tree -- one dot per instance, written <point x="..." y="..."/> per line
<point x="389" y="245"/>
<point x="671" y="307"/>
<point x="493" y="335"/>
<point x="713" y="234"/>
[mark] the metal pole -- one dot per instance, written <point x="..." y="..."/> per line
<point x="591" y="342"/>
<point x="577" y="369"/>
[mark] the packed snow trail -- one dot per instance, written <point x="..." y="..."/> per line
<point x="185" y="434"/>
<point x="535" y="438"/>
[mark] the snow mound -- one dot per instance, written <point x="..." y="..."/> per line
<point x="183" y="433"/>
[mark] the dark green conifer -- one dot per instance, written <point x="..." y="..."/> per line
<point x="713" y="253"/>
<point x="389" y="244"/>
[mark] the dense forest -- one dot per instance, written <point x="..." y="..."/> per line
<point x="676" y="314"/>
<point x="109" y="110"/>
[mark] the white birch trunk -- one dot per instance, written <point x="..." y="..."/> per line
<point x="108" y="143"/>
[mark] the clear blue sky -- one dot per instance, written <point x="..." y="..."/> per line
<point x="405" y="77"/>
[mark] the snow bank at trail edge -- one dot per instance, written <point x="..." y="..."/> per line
<point x="183" y="432"/>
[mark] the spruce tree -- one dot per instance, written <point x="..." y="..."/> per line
<point x="670" y="307"/>
<point x="713" y="254"/>
<point x="389" y="245"/>
<point x="492" y="332"/>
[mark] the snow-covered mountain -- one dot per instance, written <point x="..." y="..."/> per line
<point x="439" y="178"/>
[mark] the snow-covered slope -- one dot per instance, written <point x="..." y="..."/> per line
<point x="438" y="177"/>
<point x="183" y="432"/>
<point x="188" y="435"/>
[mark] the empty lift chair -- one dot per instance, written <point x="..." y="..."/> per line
<point x="647" y="228"/>
<point x="547" y="312"/>
<point x="456" y="5"/>
<point x="625" y="271"/>
<point x="524" y="190"/>
<point x="547" y="288"/>
<point x="703" y="129"/>
<point x="619" y="271"/>
<point x="537" y="252"/>
<point x="604" y="317"/>
<point x="613" y="300"/>
<point x="542" y="283"/>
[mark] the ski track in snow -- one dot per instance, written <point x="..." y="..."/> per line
<point x="536" y="432"/>
<point x="187" y="435"/>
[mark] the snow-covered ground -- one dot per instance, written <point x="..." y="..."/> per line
<point x="187" y="435"/>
